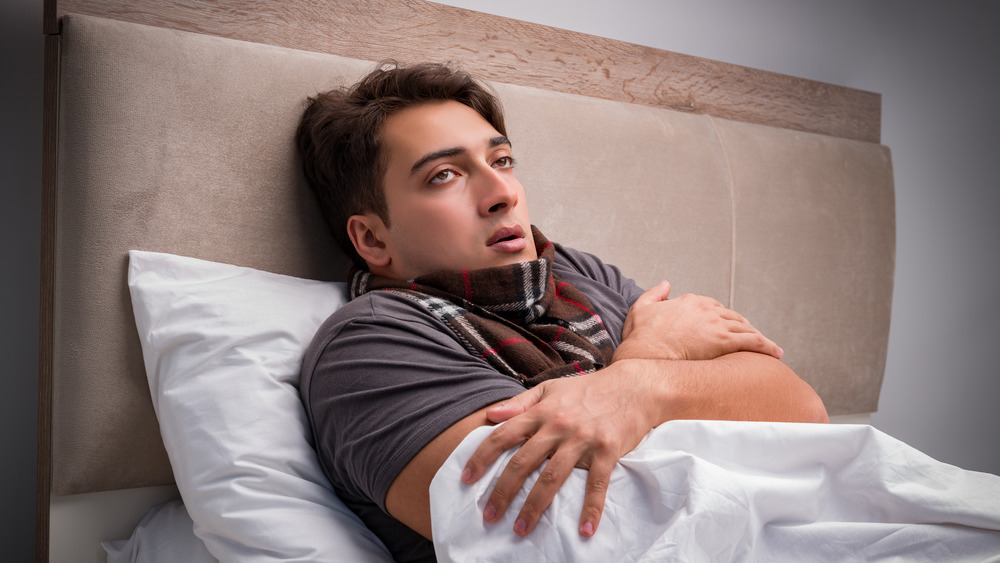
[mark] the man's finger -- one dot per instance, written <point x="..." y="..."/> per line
<point x="515" y="405"/>
<point x="757" y="342"/>
<point x="551" y="478"/>
<point x="731" y="315"/>
<point x="501" y="439"/>
<point x="598" y="479"/>
<point x="520" y="465"/>
<point x="655" y="294"/>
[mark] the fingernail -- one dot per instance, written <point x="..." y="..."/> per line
<point x="587" y="529"/>
<point x="781" y="352"/>
<point x="490" y="513"/>
<point x="520" y="526"/>
<point x="467" y="475"/>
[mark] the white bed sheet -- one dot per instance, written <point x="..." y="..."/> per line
<point x="739" y="491"/>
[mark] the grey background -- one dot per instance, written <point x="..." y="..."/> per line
<point x="935" y="64"/>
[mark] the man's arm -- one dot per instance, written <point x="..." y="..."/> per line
<point x="690" y="327"/>
<point x="408" y="498"/>
<point x="592" y="421"/>
<point x="608" y="415"/>
<point x="686" y="358"/>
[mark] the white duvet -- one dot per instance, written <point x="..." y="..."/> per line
<point x="738" y="491"/>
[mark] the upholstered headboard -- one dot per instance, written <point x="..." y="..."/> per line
<point x="170" y="129"/>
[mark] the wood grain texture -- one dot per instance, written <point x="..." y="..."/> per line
<point x="512" y="51"/>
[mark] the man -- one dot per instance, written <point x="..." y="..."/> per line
<point x="464" y="315"/>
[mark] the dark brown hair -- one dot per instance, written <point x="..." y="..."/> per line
<point x="340" y="135"/>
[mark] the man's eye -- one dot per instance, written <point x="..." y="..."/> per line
<point x="504" y="162"/>
<point x="443" y="176"/>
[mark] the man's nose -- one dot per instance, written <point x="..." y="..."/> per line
<point x="498" y="192"/>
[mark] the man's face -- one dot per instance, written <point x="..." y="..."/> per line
<point x="453" y="200"/>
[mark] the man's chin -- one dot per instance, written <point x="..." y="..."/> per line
<point x="517" y="259"/>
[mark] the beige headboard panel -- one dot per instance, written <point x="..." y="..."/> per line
<point x="794" y="230"/>
<point x="182" y="143"/>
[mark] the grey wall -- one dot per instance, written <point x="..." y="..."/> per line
<point x="20" y="212"/>
<point x="936" y="65"/>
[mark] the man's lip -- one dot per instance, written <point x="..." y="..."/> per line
<point x="516" y="231"/>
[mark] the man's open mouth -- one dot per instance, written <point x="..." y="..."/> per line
<point x="506" y="234"/>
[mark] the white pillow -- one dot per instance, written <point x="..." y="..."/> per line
<point x="223" y="346"/>
<point x="165" y="533"/>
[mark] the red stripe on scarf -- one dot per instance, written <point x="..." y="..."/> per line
<point x="575" y="304"/>
<point x="558" y="334"/>
<point x="497" y="348"/>
<point x="468" y="285"/>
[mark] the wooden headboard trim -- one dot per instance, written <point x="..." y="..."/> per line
<point x="576" y="63"/>
<point x="46" y="296"/>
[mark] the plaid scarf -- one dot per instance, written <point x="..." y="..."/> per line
<point x="522" y="319"/>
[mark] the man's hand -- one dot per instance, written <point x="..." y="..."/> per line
<point x="689" y="327"/>
<point x="591" y="421"/>
<point x="588" y="421"/>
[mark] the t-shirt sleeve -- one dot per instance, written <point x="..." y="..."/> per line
<point x="381" y="380"/>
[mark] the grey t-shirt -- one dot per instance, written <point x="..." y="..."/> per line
<point x="383" y="377"/>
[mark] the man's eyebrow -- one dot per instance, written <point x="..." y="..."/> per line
<point x="454" y="151"/>
<point x="444" y="153"/>
<point x="499" y="140"/>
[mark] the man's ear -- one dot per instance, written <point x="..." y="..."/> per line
<point x="369" y="235"/>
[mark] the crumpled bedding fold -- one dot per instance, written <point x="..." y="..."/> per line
<point x="739" y="491"/>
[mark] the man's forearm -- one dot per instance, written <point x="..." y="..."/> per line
<point x="592" y="420"/>
<point x="738" y="386"/>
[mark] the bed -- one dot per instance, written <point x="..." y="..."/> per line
<point x="171" y="185"/>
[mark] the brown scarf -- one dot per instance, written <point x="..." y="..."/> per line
<point x="521" y="318"/>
